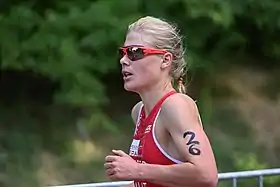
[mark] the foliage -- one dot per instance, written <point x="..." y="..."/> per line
<point x="56" y="54"/>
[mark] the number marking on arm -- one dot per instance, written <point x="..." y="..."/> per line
<point x="191" y="143"/>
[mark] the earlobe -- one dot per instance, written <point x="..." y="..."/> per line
<point x="165" y="64"/>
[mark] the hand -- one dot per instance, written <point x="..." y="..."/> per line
<point x="120" y="166"/>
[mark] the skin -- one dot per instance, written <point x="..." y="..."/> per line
<point x="179" y="116"/>
<point x="150" y="78"/>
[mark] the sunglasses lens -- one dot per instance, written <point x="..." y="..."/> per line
<point x="135" y="53"/>
<point x="121" y="53"/>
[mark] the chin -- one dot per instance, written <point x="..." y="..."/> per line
<point x="131" y="87"/>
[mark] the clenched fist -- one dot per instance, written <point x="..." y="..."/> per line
<point x="120" y="166"/>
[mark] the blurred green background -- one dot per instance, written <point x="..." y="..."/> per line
<point x="63" y="107"/>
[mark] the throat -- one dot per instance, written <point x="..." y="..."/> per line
<point x="154" y="101"/>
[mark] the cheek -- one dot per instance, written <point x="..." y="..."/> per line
<point x="146" y="72"/>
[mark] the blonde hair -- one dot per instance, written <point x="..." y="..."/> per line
<point x="163" y="35"/>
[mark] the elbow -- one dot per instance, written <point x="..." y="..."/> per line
<point x="209" y="179"/>
<point x="210" y="182"/>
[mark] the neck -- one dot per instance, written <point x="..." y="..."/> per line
<point x="151" y="96"/>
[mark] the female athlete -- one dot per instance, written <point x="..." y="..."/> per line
<point x="169" y="146"/>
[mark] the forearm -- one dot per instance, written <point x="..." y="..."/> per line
<point x="177" y="175"/>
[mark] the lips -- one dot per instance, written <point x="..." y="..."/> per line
<point x="126" y="74"/>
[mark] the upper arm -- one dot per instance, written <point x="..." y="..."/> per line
<point x="135" y="111"/>
<point x="181" y="119"/>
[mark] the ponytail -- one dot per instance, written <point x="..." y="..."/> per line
<point x="181" y="87"/>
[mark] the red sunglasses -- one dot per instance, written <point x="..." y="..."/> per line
<point x="138" y="52"/>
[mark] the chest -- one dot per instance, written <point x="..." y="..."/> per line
<point x="142" y="144"/>
<point x="149" y="144"/>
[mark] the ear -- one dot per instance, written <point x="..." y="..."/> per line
<point x="166" y="60"/>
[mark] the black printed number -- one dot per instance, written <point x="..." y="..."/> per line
<point x="191" y="143"/>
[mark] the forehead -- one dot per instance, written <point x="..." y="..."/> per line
<point x="134" y="38"/>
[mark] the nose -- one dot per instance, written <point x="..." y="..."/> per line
<point x="124" y="60"/>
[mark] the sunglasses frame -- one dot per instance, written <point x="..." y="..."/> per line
<point x="146" y="51"/>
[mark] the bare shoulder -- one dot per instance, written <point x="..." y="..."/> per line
<point x="135" y="111"/>
<point x="181" y="109"/>
<point x="180" y="103"/>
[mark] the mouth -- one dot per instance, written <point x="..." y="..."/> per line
<point x="126" y="74"/>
